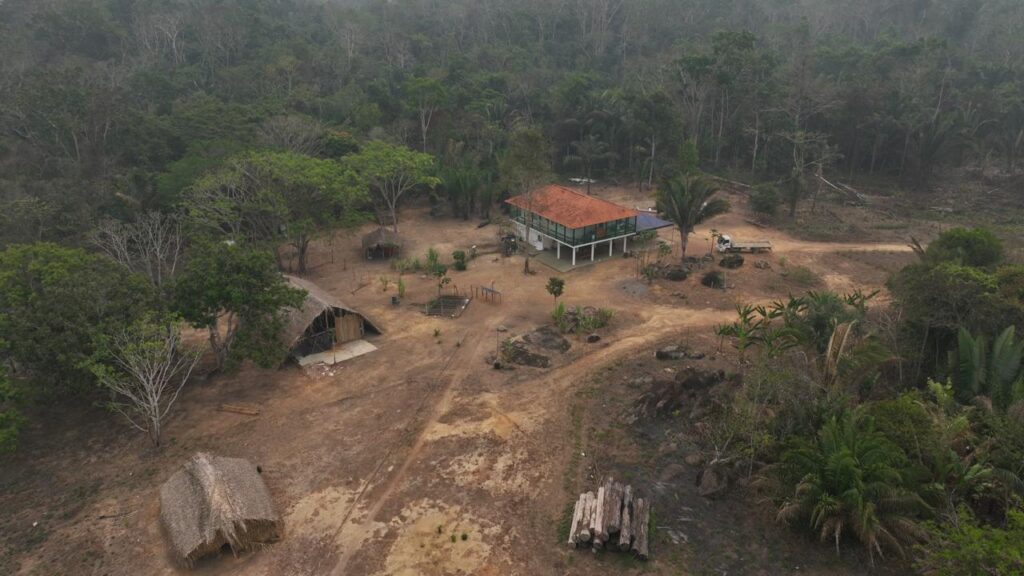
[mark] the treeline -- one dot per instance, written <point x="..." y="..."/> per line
<point x="116" y="106"/>
<point x="899" y="426"/>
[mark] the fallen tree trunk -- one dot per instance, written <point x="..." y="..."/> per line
<point x="585" y="533"/>
<point x="577" y="514"/>
<point x="613" y="507"/>
<point x="600" y="534"/>
<point x="642" y="514"/>
<point x="626" y="529"/>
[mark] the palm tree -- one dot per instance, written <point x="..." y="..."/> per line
<point x="851" y="480"/>
<point x="588" y="152"/>
<point x="687" y="201"/>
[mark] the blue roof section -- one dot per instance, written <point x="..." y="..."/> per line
<point x="646" y="221"/>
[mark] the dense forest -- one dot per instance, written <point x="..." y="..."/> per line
<point x="115" y="106"/>
<point x="163" y="161"/>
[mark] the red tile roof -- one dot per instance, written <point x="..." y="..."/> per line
<point x="569" y="207"/>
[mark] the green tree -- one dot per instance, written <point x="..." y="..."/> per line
<point x="56" y="302"/>
<point x="975" y="247"/>
<point x="425" y="96"/>
<point x="10" y="418"/>
<point x="236" y="293"/>
<point x="587" y="152"/>
<point x="555" y="287"/>
<point x="850" y="480"/>
<point x="688" y="201"/>
<point x="269" y="197"/>
<point x="390" y="172"/>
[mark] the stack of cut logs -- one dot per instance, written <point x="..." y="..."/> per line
<point x="614" y="518"/>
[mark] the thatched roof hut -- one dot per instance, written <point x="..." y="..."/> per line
<point x="213" y="501"/>
<point x="382" y="243"/>
<point x="322" y="321"/>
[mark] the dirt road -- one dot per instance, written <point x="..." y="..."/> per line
<point x="418" y="458"/>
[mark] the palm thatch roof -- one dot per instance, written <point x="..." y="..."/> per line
<point x="316" y="303"/>
<point x="382" y="237"/>
<point x="213" y="501"/>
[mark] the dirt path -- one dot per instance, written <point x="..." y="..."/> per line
<point x="369" y="459"/>
<point x="458" y="358"/>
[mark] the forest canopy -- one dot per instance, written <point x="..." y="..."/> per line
<point x="116" y="106"/>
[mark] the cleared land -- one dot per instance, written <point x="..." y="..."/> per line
<point x="381" y="464"/>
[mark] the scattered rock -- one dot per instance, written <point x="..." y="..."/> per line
<point x="677" y="352"/>
<point x="676" y="274"/>
<point x="517" y="353"/>
<point x="694" y="459"/>
<point x="731" y="261"/>
<point x="593" y="338"/>
<point x="670" y="472"/>
<point x="763" y="265"/>
<point x="674" y="352"/>
<point x="502" y="328"/>
<point x="548" y="338"/>
<point x="712" y="481"/>
<point x="640" y="381"/>
<point x="685" y="390"/>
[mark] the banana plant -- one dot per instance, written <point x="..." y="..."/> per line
<point x="994" y="374"/>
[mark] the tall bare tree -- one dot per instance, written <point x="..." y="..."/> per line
<point x="152" y="245"/>
<point x="148" y="368"/>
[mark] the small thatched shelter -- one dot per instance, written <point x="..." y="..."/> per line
<point x="322" y="321"/>
<point x="382" y="244"/>
<point x="212" y="502"/>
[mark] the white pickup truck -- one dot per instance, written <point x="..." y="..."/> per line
<point x="727" y="244"/>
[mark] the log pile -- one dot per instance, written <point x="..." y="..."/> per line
<point x="612" y="518"/>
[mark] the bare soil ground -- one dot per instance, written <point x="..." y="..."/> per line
<point x="420" y="458"/>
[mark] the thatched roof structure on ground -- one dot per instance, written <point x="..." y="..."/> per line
<point x="314" y="326"/>
<point x="382" y="243"/>
<point x="213" y="501"/>
<point x="316" y="303"/>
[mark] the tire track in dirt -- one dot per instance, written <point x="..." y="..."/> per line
<point x="438" y="409"/>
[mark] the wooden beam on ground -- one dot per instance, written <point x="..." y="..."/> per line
<point x="247" y="409"/>
<point x="642" y="512"/>
<point x="577" y="513"/>
<point x="626" y="526"/>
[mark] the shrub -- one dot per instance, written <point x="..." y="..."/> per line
<point x="433" y="263"/>
<point x="974" y="247"/>
<point x="970" y="548"/>
<point x="850" y="480"/>
<point x="459" y="258"/>
<point x="713" y="279"/>
<point x="765" y="199"/>
<point x="1010" y="280"/>
<point x="558" y="315"/>
<point x="405" y="265"/>
<point x="731" y="261"/>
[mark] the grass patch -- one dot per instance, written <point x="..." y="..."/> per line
<point x="803" y="276"/>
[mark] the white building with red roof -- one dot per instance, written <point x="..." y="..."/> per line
<point x="559" y="218"/>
